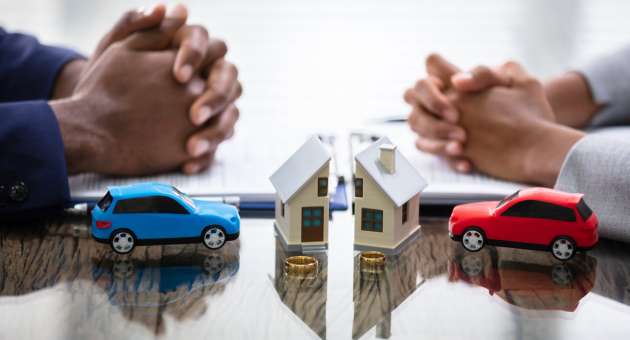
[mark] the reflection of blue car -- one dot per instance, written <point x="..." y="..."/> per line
<point x="154" y="213"/>
<point x="131" y="282"/>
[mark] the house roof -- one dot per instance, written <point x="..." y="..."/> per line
<point x="299" y="168"/>
<point x="399" y="186"/>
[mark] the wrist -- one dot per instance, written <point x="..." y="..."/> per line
<point x="68" y="78"/>
<point x="571" y="99"/>
<point x="80" y="139"/>
<point x="549" y="145"/>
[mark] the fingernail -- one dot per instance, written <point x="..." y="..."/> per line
<point x="177" y="11"/>
<point x="192" y="168"/>
<point x="462" y="167"/>
<point x="458" y="135"/>
<point x="462" y="76"/>
<point x="202" y="115"/>
<point x="201" y="147"/>
<point x="185" y="72"/>
<point x="453" y="148"/>
<point x="196" y="86"/>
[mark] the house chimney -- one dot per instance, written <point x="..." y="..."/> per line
<point x="388" y="157"/>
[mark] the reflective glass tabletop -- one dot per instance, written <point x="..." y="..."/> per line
<point x="55" y="282"/>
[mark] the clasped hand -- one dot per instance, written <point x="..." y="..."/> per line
<point x="496" y="120"/>
<point x="156" y="95"/>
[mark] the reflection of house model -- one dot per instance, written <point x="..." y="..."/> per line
<point x="304" y="294"/>
<point x="386" y="197"/>
<point x="302" y="200"/>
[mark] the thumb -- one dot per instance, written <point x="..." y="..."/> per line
<point x="160" y="37"/>
<point x="438" y="67"/>
<point x="130" y="22"/>
<point x="479" y="79"/>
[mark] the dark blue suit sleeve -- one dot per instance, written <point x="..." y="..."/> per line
<point x="28" y="69"/>
<point x="33" y="176"/>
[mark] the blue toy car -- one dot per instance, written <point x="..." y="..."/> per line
<point x="155" y="213"/>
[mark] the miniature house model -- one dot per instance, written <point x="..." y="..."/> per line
<point x="302" y="200"/>
<point x="386" y="197"/>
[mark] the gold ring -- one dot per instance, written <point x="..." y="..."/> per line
<point x="300" y="264"/>
<point x="372" y="258"/>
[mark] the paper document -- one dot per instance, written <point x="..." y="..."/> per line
<point x="241" y="169"/>
<point x="243" y="165"/>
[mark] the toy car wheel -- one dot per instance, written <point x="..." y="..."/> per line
<point x="472" y="265"/>
<point x="214" y="237"/>
<point x="122" y="269"/>
<point x="213" y="264"/>
<point x="473" y="239"/>
<point x="563" y="248"/>
<point x="123" y="241"/>
<point x="561" y="274"/>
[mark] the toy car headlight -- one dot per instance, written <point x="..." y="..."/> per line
<point x="233" y="219"/>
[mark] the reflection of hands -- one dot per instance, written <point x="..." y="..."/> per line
<point x="198" y="63"/>
<point x="498" y="120"/>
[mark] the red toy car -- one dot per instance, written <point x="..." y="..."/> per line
<point x="536" y="218"/>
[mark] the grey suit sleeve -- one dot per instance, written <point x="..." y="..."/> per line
<point x="599" y="167"/>
<point x="609" y="81"/>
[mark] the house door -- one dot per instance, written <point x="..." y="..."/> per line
<point x="312" y="224"/>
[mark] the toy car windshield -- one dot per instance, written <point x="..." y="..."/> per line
<point x="105" y="202"/>
<point x="508" y="198"/>
<point x="183" y="196"/>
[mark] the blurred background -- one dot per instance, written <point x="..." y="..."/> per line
<point x="338" y="62"/>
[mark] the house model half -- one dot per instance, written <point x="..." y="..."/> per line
<point x="302" y="202"/>
<point x="386" y="197"/>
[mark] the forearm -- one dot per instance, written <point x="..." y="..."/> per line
<point x="571" y="100"/>
<point x="597" y="166"/>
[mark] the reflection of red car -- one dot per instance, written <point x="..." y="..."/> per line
<point x="535" y="218"/>
<point x="537" y="285"/>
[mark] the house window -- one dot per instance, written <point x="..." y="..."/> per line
<point x="312" y="217"/>
<point x="322" y="186"/>
<point x="372" y="220"/>
<point x="358" y="187"/>
<point x="281" y="208"/>
<point x="405" y="212"/>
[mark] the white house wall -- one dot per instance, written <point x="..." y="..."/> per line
<point x="413" y="213"/>
<point x="373" y="198"/>
<point x="282" y="222"/>
<point x="394" y="232"/>
<point x="291" y="224"/>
